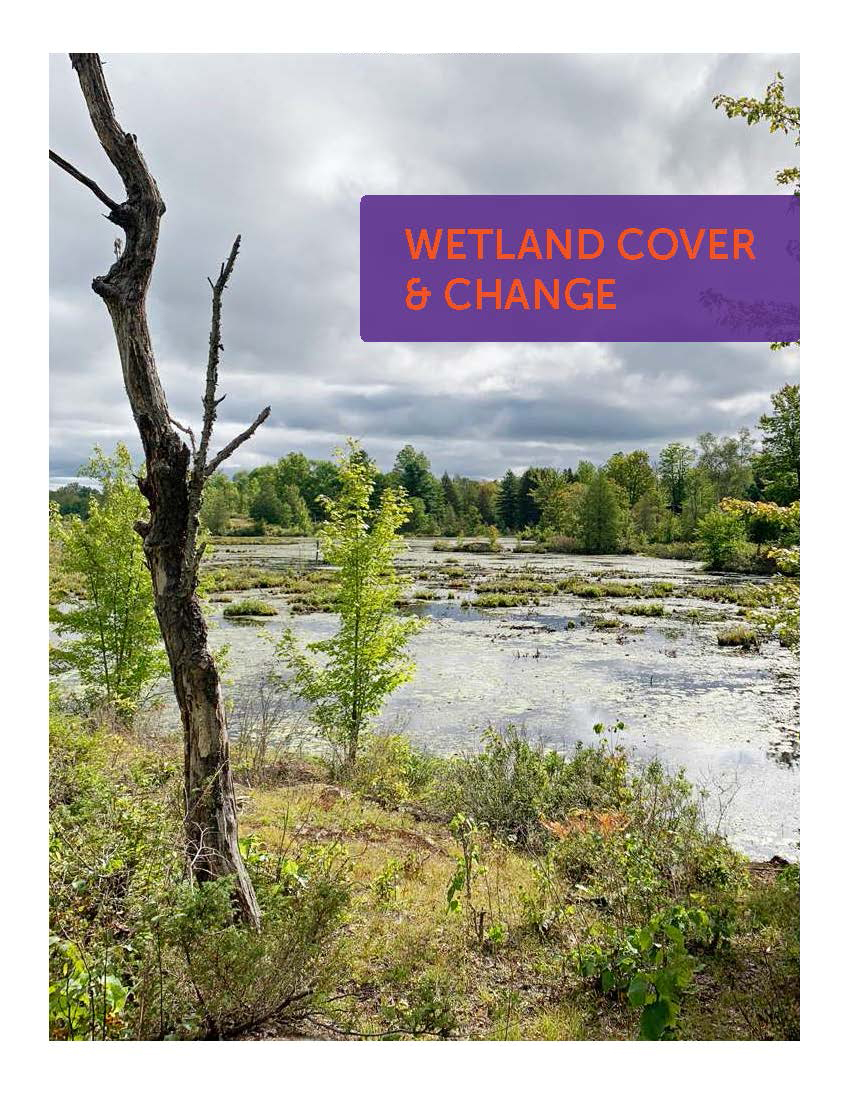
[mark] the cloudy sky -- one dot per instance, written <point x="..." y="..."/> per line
<point x="280" y="148"/>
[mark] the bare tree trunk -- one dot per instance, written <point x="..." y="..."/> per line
<point x="173" y="484"/>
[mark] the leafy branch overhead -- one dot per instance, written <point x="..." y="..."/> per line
<point x="781" y="117"/>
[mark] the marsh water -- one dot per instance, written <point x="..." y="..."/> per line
<point x="555" y="669"/>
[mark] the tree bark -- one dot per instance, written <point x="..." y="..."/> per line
<point x="172" y="484"/>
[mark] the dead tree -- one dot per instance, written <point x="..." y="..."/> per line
<point x="172" y="484"/>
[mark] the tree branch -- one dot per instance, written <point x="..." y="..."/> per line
<point x="128" y="278"/>
<point x="216" y="347"/>
<point x="83" y="179"/>
<point x="119" y="146"/>
<point x="227" y="451"/>
<point x="184" y="428"/>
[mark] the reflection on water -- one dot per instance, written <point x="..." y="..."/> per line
<point x="727" y="717"/>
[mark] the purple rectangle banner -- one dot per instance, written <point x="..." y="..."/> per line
<point x="657" y="268"/>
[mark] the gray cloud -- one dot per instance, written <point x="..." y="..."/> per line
<point x="280" y="148"/>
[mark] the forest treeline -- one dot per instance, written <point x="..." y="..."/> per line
<point x="627" y="502"/>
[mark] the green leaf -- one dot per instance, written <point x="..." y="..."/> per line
<point x="655" y="1019"/>
<point x="638" y="990"/>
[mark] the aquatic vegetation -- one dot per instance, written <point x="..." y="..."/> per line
<point x="602" y="589"/>
<point x="308" y="590"/>
<point x="743" y="637"/>
<point x="603" y="623"/>
<point x="744" y="595"/>
<point x="239" y="578"/>
<point x="249" y="607"/>
<point x="500" y="599"/>
<point x="517" y="584"/>
<point x="651" y="610"/>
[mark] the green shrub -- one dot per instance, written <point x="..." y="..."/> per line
<point x="722" y="539"/>
<point x="137" y="951"/>
<point x="512" y="785"/>
<point x="223" y="978"/>
<point x="687" y="551"/>
<point x="651" y="965"/>
<point x="558" y="544"/>
<point x="86" y="1000"/>
<point x="651" y="849"/>
<point x="389" y="770"/>
<point x="426" y="1010"/>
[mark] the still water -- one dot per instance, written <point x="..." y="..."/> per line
<point x="729" y="718"/>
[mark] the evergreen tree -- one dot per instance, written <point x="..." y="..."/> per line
<point x="450" y="494"/>
<point x="507" y="502"/>
<point x="528" y="512"/>
<point x="485" y="498"/>
<point x="413" y="473"/>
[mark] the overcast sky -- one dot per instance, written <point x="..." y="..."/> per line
<point x="280" y="149"/>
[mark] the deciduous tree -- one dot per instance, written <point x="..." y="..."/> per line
<point x="114" y="642"/>
<point x="778" y="464"/>
<point x="673" y="464"/>
<point x="366" y="659"/>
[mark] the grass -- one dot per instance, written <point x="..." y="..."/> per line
<point x="601" y="589"/>
<point x="249" y="607"/>
<point x="517" y="585"/>
<point x="744" y="595"/>
<point x="740" y="636"/>
<point x="500" y="599"/>
<point x="650" y="610"/>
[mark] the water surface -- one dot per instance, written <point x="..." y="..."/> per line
<point x="729" y="718"/>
